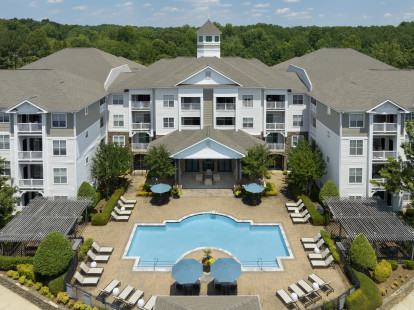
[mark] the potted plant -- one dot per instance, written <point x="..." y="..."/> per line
<point x="238" y="191"/>
<point x="207" y="260"/>
<point x="176" y="191"/>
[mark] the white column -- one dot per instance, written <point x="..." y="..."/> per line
<point x="369" y="155"/>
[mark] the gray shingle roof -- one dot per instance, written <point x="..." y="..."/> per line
<point x="207" y="303"/>
<point x="208" y="28"/>
<point x="176" y="141"/>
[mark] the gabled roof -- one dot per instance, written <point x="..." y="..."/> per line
<point x="208" y="28"/>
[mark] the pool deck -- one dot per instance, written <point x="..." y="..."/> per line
<point x="264" y="284"/>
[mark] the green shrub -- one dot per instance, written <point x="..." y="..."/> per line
<point x="396" y="283"/>
<point x="362" y="254"/>
<point x="13" y="274"/>
<point x="22" y="280"/>
<point x="100" y="219"/>
<point x="79" y="305"/>
<point x="26" y="270"/>
<point x="44" y="290"/>
<point x="56" y="285"/>
<point x="284" y="172"/>
<point x="367" y="297"/>
<point x="39" y="285"/>
<point x="71" y="303"/>
<point x="408" y="264"/>
<point x="331" y="245"/>
<point x="11" y="262"/>
<point x="62" y="298"/>
<point x="270" y="189"/>
<point x="145" y="190"/>
<point x="409" y="213"/>
<point x="53" y="255"/>
<point x="84" y="248"/>
<point x="394" y="264"/>
<point x="30" y="283"/>
<point x="317" y="219"/>
<point x="86" y="190"/>
<point x="268" y="175"/>
<point x="328" y="190"/>
<point x="382" y="271"/>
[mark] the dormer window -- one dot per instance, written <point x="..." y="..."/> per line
<point x="209" y="38"/>
<point x="216" y="38"/>
<point x="208" y="74"/>
<point x="200" y="38"/>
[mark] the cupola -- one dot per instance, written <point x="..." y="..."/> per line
<point x="208" y="40"/>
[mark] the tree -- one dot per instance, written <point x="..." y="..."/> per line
<point x="8" y="199"/>
<point x="257" y="160"/>
<point x="111" y="161"/>
<point x="362" y="254"/>
<point x="158" y="161"/>
<point x="307" y="164"/>
<point x="328" y="190"/>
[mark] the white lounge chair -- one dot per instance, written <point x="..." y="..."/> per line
<point x="322" y="284"/>
<point x="199" y="177"/>
<point x="311" y="240"/>
<point x="293" y="209"/>
<point x="128" y="201"/>
<point x="109" y="288"/>
<point x="98" y="258"/>
<point x="102" y="249"/>
<point x="299" y="215"/>
<point x="134" y="298"/>
<point x="294" y="204"/>
<point x="301" y="295"/>
<point x="91" y="271"/>
<point x="124" y="293"/>
<point x="319" y="255"/>
<point x="323" y="263"/>
<point x="216" y="177"/>
<point x="309" y="290"/>
<point x="286" y="298"/>
<point x="120" y="212"/>
<point x="312" y="246"/>
<point x="86" y="280"/>
<point x="117" y="217"/>
<point x="150" y="303"/>
<point x="126" y="206"/>
<point x="301" y="220"/>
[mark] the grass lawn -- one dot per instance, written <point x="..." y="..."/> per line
<point x="365" y="298"/>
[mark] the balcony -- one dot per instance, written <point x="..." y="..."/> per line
<point x="141" y="126"/>
<point x="382" y="155"/>
<point x="30" y="155"/>
<point x="275" y="105"/>
<point x="375" y="187"/>
<point x="276" y="146"/>
<point x="141" y="105"/>
<point x="29" y="127"/>
<point x="275" y="126"/>
<point x="384" y="127"/>
<point x="31" y="183"/>
<point x="139" y="146"/>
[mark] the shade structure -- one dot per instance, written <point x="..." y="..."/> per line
<point x="226" y="270"/>
<point x="187" y="271"/>
<point x="160" y="188"/>
<point x="254" y="188"/>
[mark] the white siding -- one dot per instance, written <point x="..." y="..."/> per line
<point x="162" y="112"/>
<point x="119" y="110"/>
<point x="297" y="110"/>
<point x="255" y="112"/>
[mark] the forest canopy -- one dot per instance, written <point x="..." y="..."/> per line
<point x="23" y="41"/>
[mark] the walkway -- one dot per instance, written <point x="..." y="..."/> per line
<point x="11" y="301"/>
<point x="406" y="303"/>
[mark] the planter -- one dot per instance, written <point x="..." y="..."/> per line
<point x="206" y="268"/>
<point x="176" y="196"/>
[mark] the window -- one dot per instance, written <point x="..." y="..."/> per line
<point x="297" y="99"/>
<point x="356" y="147"/>
<point x="102" y="121"/>
<point x="314" y="122"/>
<point x="59" y="147"/>
<point x="102" y="106"/>
<point x="4" y="118"/>
<point x="200" y="38"/>
<point x="295" y="139"/>
<point x="60" y="175"/>
<point x="6" y="169"/>
<point x="118" y="120"/>
<point x="86" y="161"/>
<point x="4" y="142"/>
<point x="144" y="98"/>
<point x="216" y="38"/>
<point x="120" y="140"/>
<point x="168" y="122"/>
<point x="247" y="122"/>
<point x="118" y="99"/>
<point x="208" y="74"/>
<point x="247" y="101"/>
<point x="58" y="120"/>
<point x="356" y="120"/>
<point x="297" y="120"/>
<point x="355" y="175"/>
<point x="226" y="103"/>
<point x="275" y="98"/>
<point x="225" y="121"/>
<point x="86" y="134"/>
<point x="190" y="121"/>
<point x="355" y="196"/>
<point x="209" y="39"/>
<point x="86" y="111"/>
<point x="190" y="103"/>
<point x="327" y="159"/>
<point x="102" y="101"/>
<point x="168" y="101"/>
<point x="328" y="110"/>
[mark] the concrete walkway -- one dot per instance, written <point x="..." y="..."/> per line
<point x="11" y="301"/>
<point x="405" y="304"/>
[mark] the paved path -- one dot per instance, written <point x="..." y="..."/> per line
<point x="11" y="301"/>
<point x="405" y="304"/>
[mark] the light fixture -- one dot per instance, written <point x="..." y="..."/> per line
<point x="93" y="264"/>
<point x="115" y="292"/>
<point x="294" y="296"/>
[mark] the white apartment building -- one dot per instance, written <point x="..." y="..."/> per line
<point x="207" y="111"/>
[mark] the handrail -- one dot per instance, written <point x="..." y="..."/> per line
<point x="261" y="263"/>
<point x="155" y="262"/>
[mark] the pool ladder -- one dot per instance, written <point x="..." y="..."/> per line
<point x="155" y="262"/>
<point x="260" y="263"/>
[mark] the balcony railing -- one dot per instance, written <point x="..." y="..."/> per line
<point x="275" y="105"/>
<point x="141" y="126"/>
<point x="375" y="187"/>
<point x="226" y="107"/>
<point x="141" y="105"/>
<point x="30" y="155"/>
<point x="31" y="183"/>
<point x="139" y="146"/>
<point x="276" y="146"/>
<point x="190" y="107"/>
<point x="275" y="126"/>
<point x="29" y="127"/>
<point x="384" y="127"/>
<point x="382" y="155"/>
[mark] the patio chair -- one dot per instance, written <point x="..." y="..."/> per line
<point x="311" y="240"/>
<point x="102" y="249"/>
<point x="312" y="246"/>
<point x="150" y="303"/>
<point x="199" y="177"/>
<point x="322" y="284"/>
<point x="294" y="204"/>
<point x="110" y="287"/>
<point x="120" y="212"/>
<point x="286" y="298"/>
<point x="309" y="290"/>
<point x="319" y="255"/>
<point x="124" y="293"/>
<point x="323" y="263"/>
<point x="98" y="258"/>
<point x="302" y="296"/>
<point x="86" y="280"/>
<point x="293" y="209"/>
<point x="134" y="298"/>
<point x="299" y="215"/>
<point x="126" y="206"/>
<point x="91" y="271"/>
<point x="126" y="201"/>
<point x="301" y="220"/>
<point x="117" y="217"/>
<point x="216" y="177"/>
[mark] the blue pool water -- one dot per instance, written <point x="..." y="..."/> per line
<point x="245" y="241"/>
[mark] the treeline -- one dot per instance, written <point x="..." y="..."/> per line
<point x="25" y="40"/>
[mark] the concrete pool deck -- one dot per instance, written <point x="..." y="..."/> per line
<point x="264" y="284"/>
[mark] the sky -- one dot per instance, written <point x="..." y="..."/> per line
<point x="172" y="13"/>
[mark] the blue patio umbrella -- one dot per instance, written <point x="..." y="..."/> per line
<point x="254" y="188"/>
<point x="187" y="271"/>
<point x="225" y="270"/>
<point x="160" y="188"/>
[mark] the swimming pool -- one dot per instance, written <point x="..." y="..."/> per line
<point x="255" y="246"/>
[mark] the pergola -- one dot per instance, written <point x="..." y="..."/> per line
<point x="371" y="217"/>
<point x="42" y="216"/>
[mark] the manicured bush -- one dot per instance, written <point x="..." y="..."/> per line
<point x="409" y="213"/>
<point x="30" y="283"/>
<point x="145" y="190"/>
<point x="22" y="280"/>
<point x="382" y="271"/>
<point x="328" y="190"/>
<point x="284" y="172"/>
<point x="84" y="248"/>
<point x="331" y="245"/>
<point x="53" y="255"/>
<point x="394" y="264"/>
<point x="317" y="219"/>
<point x="71" y="303"/>
<point x="79" y="305"/>
<point x="100" y="219"/>
<point x="13" y="274"/>
<point x="362" y="254"/>
<point x="367" y="297"/>
<point x="56" y="285"/>
<point x="270" y="189"/>
<point x="26" y="270"/>
<point x="268" y="175"/>
<point x="44" y="290"/>
<point x="39" y="285"/>
<point x="408" y="264"/>
<point x="11" y="262"/>
<point x="86" y="190"/>
<point x="62" y="298"/>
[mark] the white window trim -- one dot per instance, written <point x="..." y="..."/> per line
<point x="59" y="148"/>
<point x="168" y="122"/>
<point x="297" y="139"/>
<point x="118" y="95"/>
<point x="298" y="95"/>
<point x="168" y="100"/>
<point x="356" y="155"/>
<point x="123" y="119"/>
<point x="293" y="120"/>
<point x="252" y="101"/>
<point x="123" y="138"/>
<point x="363" y="120"/>
<point x="2" y="119"/>
<point x="66" y="120"/>
<point x="362" y="175"/>
<point x="86" y="110"/>
<point x="252" y="122"/>
<point x="4" y="135"/>
<point x="67" y="178"/>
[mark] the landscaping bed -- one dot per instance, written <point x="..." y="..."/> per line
<point x="401" y="275"/>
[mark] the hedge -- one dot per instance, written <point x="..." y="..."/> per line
<point x="328" y="190"/>
<point x="144" y="190"/>
<point x="100" y="219"/>
<point x="56" y="285"/>
<point x="316" y="218"/>
<point x="11" y="262"/>
<point x="331" y="245"/>
<point x="367" y="297"/>
<point x="84" y="248"/>
<point x="86" y="190"/>
<point x="408" y="264"/>
<point x="394" y="264"/>
<point x="362" y="254"/>
<point x="270" y="189"/>
<point x="382" y="271"/>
